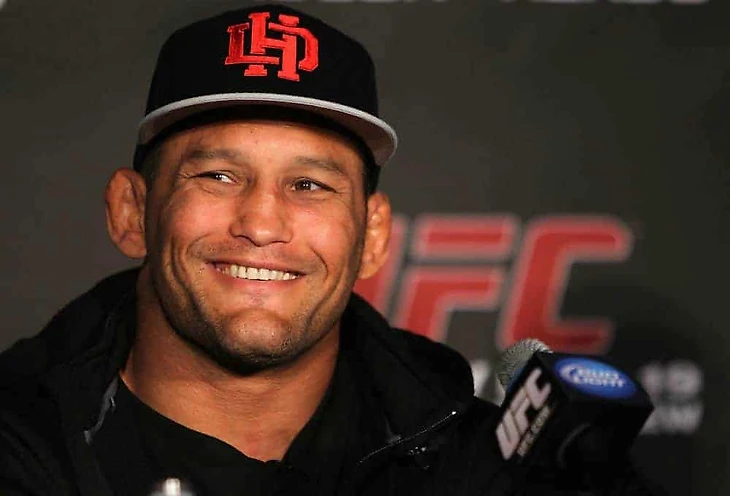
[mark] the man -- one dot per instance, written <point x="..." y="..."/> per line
<point x="237" y="358"/>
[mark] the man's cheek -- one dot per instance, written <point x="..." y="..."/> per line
<point x="189" y="218"/>
<point x="332" y="229"/>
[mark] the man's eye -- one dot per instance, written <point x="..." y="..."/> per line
<point x="308" y="185"/>
<point x="217" y="176"/>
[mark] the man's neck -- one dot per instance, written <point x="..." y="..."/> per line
<point x="259" y="414"/>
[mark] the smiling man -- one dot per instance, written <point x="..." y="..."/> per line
<point x="236" y="360"/>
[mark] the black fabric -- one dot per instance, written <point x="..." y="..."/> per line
<point x="137" y="448"/>
<point x="191" y="64"/>
<point x="400" y="418"/>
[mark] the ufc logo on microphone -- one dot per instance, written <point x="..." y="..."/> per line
<point x="514" y="423"/>
<point x="257" y="58"/>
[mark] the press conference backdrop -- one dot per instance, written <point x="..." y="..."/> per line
<point x="563" y="173"/>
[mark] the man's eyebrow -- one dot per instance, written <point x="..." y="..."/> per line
<point x="321" y="163"/>
<point x="203" y="154"/>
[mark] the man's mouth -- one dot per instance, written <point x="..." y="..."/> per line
<point x="255" y="273"/>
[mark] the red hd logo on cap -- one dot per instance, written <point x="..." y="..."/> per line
<point x="257" y="59"/>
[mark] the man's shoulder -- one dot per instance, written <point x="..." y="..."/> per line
<point x="48" y="385"/>
<point x="33" y="457"/>
<point x="32" y="369"/>
<point x="402" y="353"/>
<point x="71" y="331"/>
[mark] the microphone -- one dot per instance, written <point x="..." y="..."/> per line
<point x="568" y="414"/>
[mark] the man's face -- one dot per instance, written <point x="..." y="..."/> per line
<point x="254" y="236"/>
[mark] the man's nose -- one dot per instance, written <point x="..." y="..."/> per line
<point x="262" y="216"/>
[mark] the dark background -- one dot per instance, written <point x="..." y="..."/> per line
<point x="527" y="108"/>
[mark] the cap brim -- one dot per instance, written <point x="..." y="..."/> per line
<point x="376" y="133"/>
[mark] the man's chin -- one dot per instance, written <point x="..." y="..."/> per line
<point x="242" y="360"/>
<point x="248" y="363"/>
<point x="266" y="348"/>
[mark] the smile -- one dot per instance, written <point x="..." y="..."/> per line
<point x="255" y="273"/>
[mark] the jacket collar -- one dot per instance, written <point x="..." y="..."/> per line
<point x="418" y="381"/>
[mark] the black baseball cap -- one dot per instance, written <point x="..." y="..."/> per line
<point x="269" y="55"/>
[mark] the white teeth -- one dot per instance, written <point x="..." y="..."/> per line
<point x="253" y="273"/>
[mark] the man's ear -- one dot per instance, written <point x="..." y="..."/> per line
<point x="125" y="202"/>
<point x="377" y="235"/>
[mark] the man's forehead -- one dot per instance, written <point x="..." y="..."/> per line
<point x="220" y="132"/>
<point x="261" y="113"/>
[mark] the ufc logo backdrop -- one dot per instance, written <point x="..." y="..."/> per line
<point x="441" y="264"/>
